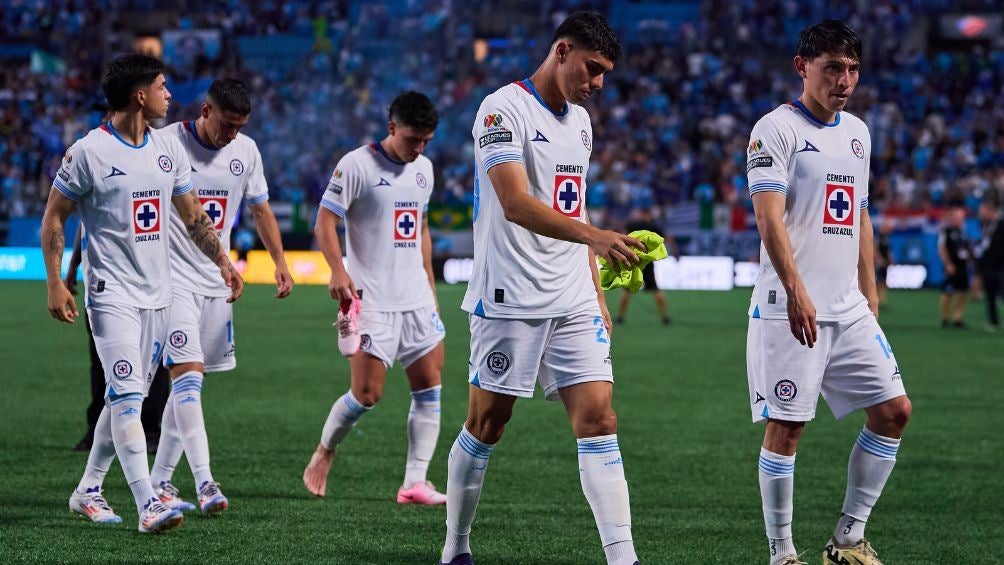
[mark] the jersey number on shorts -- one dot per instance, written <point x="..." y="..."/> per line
<point x="601" y="331"/>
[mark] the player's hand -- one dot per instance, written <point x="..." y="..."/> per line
<point x="283" y="282"/>
<point x="71" y="283"/>
<point x="616" y="248"/>
<point x="608" y="322"/>
<point x="341" y="286"/>
<point x="232" y="278"/>
<point x="62" y="306"/>
<point x="802" y="315"/>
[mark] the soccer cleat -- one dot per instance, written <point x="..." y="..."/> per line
<point x="211" y="500"/>
<point x="421" y="493"/>
<point x="860" y="553"/>
<point x="347" y="323"/>
<point x="93" y="506"/>
<point x="791" y="560"/>
<point x="168" y="495"/>
<point x="157" y="518"/>
<point x="462" y="559"/>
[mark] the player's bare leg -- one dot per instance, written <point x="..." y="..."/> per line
<point x="660" y="304"/>
<point x="368" y="377"/>
<point x="961" y="298"/>
<point x="425" y="378"/>
<point x="601" y="468"/>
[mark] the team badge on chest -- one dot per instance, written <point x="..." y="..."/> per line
<point x="838" y="207"/>
<point x="216" y="209"/>
<point x="568" y="195"/>
<point x="146" y="215"/>
<point x="405" y="224"/>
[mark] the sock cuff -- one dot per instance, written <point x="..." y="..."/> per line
<point x="599" y="445"/>
<point x="431" y="394"/>
<point x="776" y="464"/>
<point x="133" y="398"/>
<point x="473" y="446"/>
<point x="355" y="408"/>
<point x="879" y="446"/>
<point x="187" y="382"/>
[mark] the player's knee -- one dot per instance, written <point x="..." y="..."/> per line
<point x="897" y="413"/>
<point x="600" y="423"/>
<point x="368" y="396"/>
<point x="488" y="427"/>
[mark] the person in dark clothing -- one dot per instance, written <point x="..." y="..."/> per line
<point x="954" y="250"/>
<point x="156" y="400"/>
<point x="643" y="221"/>
<point x="883" y="259"/>
<point x="990" y="257"/>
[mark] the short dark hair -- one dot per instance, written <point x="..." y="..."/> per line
<point x="413" y="109"/>
<point x="829" y="36"/>
<point x="230" y="95"/>
<point x="590" y="30"/>
<point x="126" y="74"/>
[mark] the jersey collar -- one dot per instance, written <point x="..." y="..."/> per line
<point x="109" y="128"/>
<point x="379" y="149"/>
<point x="805" y="111"/>
<point x="527" y="85"/>
<point x="190" y="126"/>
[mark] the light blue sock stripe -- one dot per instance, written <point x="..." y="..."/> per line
<point x="873" y="444"/>
<point x="472" y="446"/>
<point x="776" y="468"/>
<point x="430" y="395"/>
<point x="193" y="380"/>
<point x="353" y="405"/>
<point x="599" y="445"/>
<point x="599" y="451"/>
<point x="188" y="389"/>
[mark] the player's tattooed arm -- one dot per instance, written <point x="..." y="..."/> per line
<point x="200" y="230"/>
<point x="62" y="306"/>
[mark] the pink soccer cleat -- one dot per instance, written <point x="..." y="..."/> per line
<point x="421" y="493"/>
<point x="348" y="327"/>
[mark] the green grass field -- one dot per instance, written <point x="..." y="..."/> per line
<point x="689" y="448"/>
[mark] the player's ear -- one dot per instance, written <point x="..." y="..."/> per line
<point x="561" y="50"/>
<point x="800" y="64"/>
<point x="391" y="127"/>
<point x="205" y="109"/>
<point x="140" y="95"/>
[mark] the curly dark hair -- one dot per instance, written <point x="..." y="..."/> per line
<point x="126" y="74"/>
<point x="590" y="30"/>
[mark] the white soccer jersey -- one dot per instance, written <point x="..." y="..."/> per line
<point x="123" y="193"/>
<point x="383" y="201"/>
<point x="518" y="273"/>
<point x="823" y="171"/>
<point x="221" y="177"/>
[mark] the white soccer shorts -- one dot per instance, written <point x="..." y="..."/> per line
<point x="201" y="331"/>
<point x="130" y="342"/>
<point x="511" y="356"/>
<point x="851" y="364"/>
<point x="402" y="336"/>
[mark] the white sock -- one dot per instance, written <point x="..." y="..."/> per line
<point x="423" y="432"/>
<point x="130" y="446"/>
<point x="465" y="477"/>
<point x="101" y="455"/>
<point x="187" y="393"/>
<point x="169" y="449"/>
<point x="345" y="412"/>
<point x="777" y="485"/>
<point x="601" y="472"/>
<point x="868" y="469"/>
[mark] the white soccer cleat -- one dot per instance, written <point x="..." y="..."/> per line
<point x="348" y="327"/>
<point x="157" y="518"/>
<point x="93" y="506"/>
<point x="211" y="500"/>
<point x="170" y="498"/>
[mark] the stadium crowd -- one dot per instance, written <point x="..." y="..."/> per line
<point x="671" y="125"/>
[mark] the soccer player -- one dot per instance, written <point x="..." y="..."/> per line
<point x="123" y="176"/>
<point x="883" y="260"/>
<point x="387" y="296"/>
<point x="954" y="252"/>
<point x="226" y="168"/>
<point x="813" y="324"/>
<point x="537" y="313"/>
<point x="643" y="221"/>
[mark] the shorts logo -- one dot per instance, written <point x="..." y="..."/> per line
<point x="420" y="180"/>
<point x="568" y="195"/>
<point x="146" y="215"/>
<point x="586" y="141"/>
<point x="122" y="368"/>
<point x="236" y="167"/>
<point x="405" y="224"/>
<point x="179" y="339"/>
<point x="785" y="390"/>
<point x="365" y="342"/>
<point x="165" y="163"/>
<point x="498" y="362"/>
<point x="858" y="149"/>
<point x="216" y="209"/>
<point x="838" y="208"/>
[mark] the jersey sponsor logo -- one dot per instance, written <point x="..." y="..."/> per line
<point x="335" y="188"/>
<point x="116" y="172"/>
<point x="165" y="163"/>
<point x="858" y="149"/>
<point x="236" y="167"/>
<point x="838" y="208"/>
<point x="495" y="137"/>
<point x="586" y="141"/>
<point x="757" y="162"/>
<point x="406" y="225"/>
<point x="808" y="147"/>
<point x="64" y="175"/>
<point x="178" y="338"/>
<point x="420" y="180"/>
<point x="122" y="368"/>
<point x="540" y="137"/>
<point x="568" y="195"/>
<point x="146" y="217"/>
<point x="498" y="362"/>
<point x="785" y="390"/>
<point x="216" y="209"/>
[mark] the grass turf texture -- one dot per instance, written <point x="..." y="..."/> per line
<point x="690" y="451"/>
